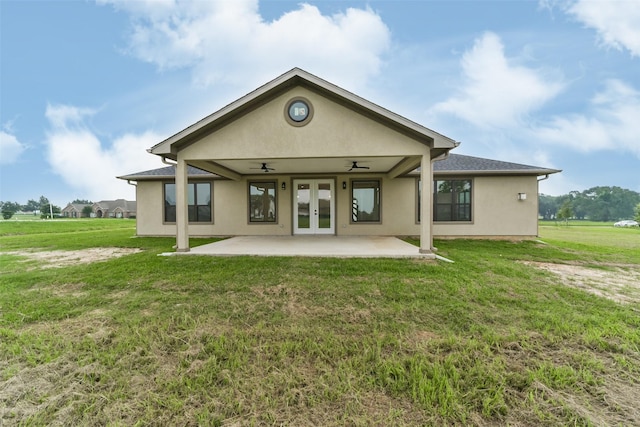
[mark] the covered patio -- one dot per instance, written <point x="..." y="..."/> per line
<point x="311" y="246"/>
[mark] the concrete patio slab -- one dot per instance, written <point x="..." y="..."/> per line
<point x="312" y="246"/>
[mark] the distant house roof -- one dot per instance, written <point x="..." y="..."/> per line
<point x="75" y="206"/>
<point x="454" y="164"/>
<point x="112" y="205"/>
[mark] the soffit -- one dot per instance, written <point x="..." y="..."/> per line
<point x="327" y="165"/>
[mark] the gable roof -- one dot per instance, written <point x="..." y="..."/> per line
<point x="75" y="206"/>
<point x="110" y="205"/>
<point x="454" y="164"/>
<point x="298" y="77"/>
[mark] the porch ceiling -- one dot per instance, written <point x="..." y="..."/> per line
<point x="324" y="165"/>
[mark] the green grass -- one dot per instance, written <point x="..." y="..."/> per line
<point x="149" y="340"/>
<point x="595" y="235"/>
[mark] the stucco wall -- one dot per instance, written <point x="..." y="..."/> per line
<point x="230" y="209"/>
<point x="496" y="210"/>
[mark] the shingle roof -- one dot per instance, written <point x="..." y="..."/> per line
<point x="168" y="172"/>
<point x="458" y="163"/>
<point x="110" y="205"/>
<point x="77" y="206"/>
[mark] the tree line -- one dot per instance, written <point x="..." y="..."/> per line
<point x="594" y="204"/>
<point x="42" y="206"/>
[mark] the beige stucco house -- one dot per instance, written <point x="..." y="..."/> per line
<point x="300" y="155"/>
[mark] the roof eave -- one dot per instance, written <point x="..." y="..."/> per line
<point x="165" y="177"/>
<point x="514" y="172"/>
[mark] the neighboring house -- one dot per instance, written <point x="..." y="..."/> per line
<point x="73" y="210"/>
<point x="300" y="155"/>
<point x="119" y="208"/>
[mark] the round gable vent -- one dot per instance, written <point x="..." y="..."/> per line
<point x="298" y="111"/>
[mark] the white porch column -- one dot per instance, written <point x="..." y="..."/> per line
<point x="182" y="213"/>
<point x="426" y="210"/>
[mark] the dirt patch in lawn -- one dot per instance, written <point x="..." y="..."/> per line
<point x="620" y="283"/>
<point x="57" y="259"/>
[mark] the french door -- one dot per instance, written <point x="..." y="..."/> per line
<point x="313" y="206"/>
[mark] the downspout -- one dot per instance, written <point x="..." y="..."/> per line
<point x="538" y="204"/>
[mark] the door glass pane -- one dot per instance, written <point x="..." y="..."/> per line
<point x="303" y="194"/>
<point x="324" y="205"/>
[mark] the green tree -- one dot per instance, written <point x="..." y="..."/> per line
<point x="565" y="212"/>
<point x="547" y="206"/>
<point x="609" y="203"/>
<point x="9" y="209"/>
<point x="637" y="212"/>
<point x="598" y="203"/>
<point x="87" y="211"/>
<point x="31" y="206"/>
<point x="82" y="202"/>
<point x="43" y="204"/>
<point x="46" y="208"/>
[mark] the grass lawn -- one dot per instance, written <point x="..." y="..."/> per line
<point x="96" y="329"/>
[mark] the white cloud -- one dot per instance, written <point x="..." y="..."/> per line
<point x="612" y="123"/>
<point x="496" y="92"/>
<point x="76" y="154"/>
<point x="616" y="22"/>
<point x="10" y="148"/>
<point x="230" y="42"/>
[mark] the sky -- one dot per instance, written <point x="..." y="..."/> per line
<point x="86" y="87"/>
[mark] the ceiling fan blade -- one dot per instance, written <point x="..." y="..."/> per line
<point x="264" y="167"/>
<point x="355" y="166"/>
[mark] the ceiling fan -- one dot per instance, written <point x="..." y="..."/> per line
<point x="265" y="168"/>
<point x="355" y="166"/>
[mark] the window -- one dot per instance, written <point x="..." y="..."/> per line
<point x="452" y="200"/>
<point x="198" y="198"/>
<point x="365" y="201"/>
<point x="262" y="202"/>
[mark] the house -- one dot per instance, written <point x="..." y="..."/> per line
<point x="119" y="208"/>
<point x="73" y="210"/>
<point x="300" y="155"/>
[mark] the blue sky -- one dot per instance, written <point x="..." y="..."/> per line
<point x="87" y="86"/>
